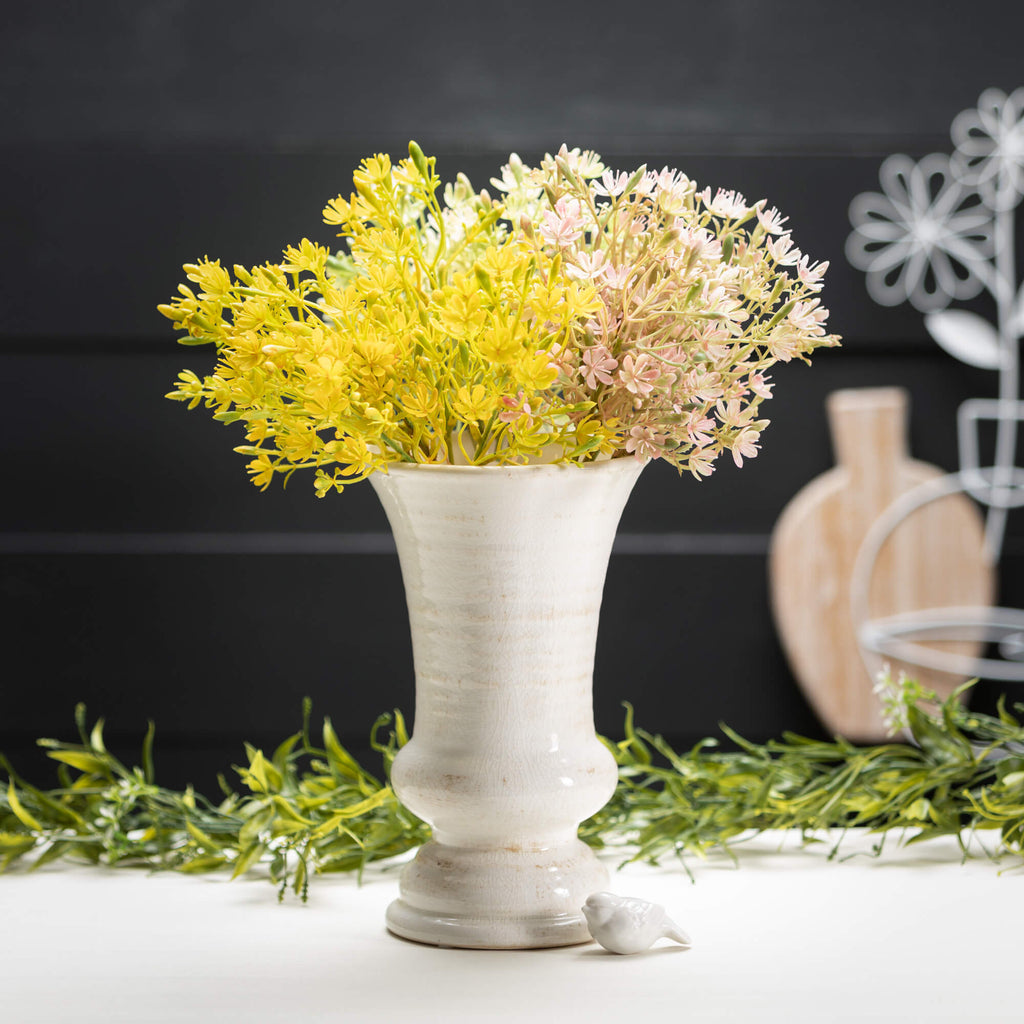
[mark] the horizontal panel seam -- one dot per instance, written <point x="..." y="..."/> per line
<point x="313" y="543"/>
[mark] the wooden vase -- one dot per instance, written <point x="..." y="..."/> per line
<point x="935" y="558"/>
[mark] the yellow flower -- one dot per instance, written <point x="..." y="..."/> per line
<point x="338" y="211"/>
<point x="534" y="372"/>
<point x="406" y="173"/>
<point x="253" y="314"/>
<point x="474" y="404"/>
<point x="261" y="469"/>
<point x="247" y="350"/>
<point x="322" y="483"/>
<point x="214" y="280"/>
<point x="259" y="430"/>
<point x="422" y="401"/>
<point x="498" y="263"/>
<point x="459" y="308"/>
<point x="498" y="345"/>
<point x="189" y="388"/>
<point x="308" y="256"/>
<point x="355" y="456"/>
<point x="298" y="443"/>
<point x="375" y="356"/>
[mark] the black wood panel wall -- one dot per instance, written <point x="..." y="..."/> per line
<point x="142" y="574"/>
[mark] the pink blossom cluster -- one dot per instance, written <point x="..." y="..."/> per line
<point x="700" y="294"/>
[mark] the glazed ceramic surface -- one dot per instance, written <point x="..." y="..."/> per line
<point x="504" y="571"/>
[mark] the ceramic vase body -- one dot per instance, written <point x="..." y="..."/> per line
<point x="504" y="571"/>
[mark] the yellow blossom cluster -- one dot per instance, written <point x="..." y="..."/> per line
<point x="438" y="337"/>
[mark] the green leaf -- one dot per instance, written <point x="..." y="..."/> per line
<point x="300" y="886"/>
<point x="281" y="754"/>
<point x="206" y="842"/>
<point x="96" y="737"/>
<point x="19" y="811"/>
<point x="260" y="775"/>
<point x="934" y="739"/>
<point x="254" y="825"/>
<point x="340" y="759"/>
<point x="147" y="753"/>
<point x="249" y="856"/>
<point x="207" y="862"/>
<point x="84" y="762"/>
<point x="17" y="841"/>
<point x="401" y="733"/>
<point x="54" y="852"/>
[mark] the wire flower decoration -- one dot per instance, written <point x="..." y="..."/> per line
<point x="940" y="231"/>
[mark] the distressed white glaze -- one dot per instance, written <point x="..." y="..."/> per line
<point x="504" y="570"/>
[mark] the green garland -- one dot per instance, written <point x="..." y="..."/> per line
<point x="312" y="809"/>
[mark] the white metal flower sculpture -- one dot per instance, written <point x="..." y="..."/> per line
<point x="942" y="230"/>
<point x="990" y="147"/>
<point x="922" y="237"/>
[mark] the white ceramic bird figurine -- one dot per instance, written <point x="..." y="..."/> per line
<point x="623" y="924"/>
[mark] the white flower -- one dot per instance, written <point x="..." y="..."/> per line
<point x="990" y="147"/>
<point x="921" y="237"/>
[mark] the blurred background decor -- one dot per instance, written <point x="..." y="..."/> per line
<point x="943" y="230"/>
<point x="935" y="558"/>
<point x="124" y="551"/>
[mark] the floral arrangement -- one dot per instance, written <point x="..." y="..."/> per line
<point x="586" y="314"/>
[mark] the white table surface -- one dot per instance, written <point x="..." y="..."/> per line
<point x="787" y="936"/>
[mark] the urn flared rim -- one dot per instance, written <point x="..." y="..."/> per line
<point x="438" y="468"/>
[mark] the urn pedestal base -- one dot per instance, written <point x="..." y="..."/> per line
<point x="450" y="896"/>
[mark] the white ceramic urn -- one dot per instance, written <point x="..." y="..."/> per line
<point x="504" y="570"/>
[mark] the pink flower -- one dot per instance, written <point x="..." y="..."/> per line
<point x="760" y="386"/>
<point x="710" y="338"/>
<point x="515" y="408"/>
<point x="673" y="188"/>
<point x="703" y="384"/>
<point x="745" y="446"/>
<point x="771" y="220"/>
<point x="783" y="344"/>
<point x="616" y="277"/>
<point x="727" y="203"/>
<point x="586" y="265"/>
<point x="731" y="414"/>
<point x="644" y="442"/>
<point x="647" y="184"/>
<point x="804" y="316"/>
<point x="612" y="183"/>
<point x="639" y="375"/>
<point x="564" y="224"/>
<point x="700" y="463"/>
<point x="781" y="250"/>
<point x="811" y="275"/>
<point x="598" y="364"/>
<point x="696" y="425"/>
